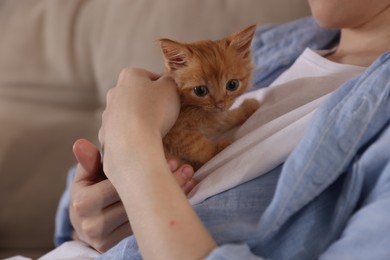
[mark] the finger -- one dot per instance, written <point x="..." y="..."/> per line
<point x="100" y="225"/>
<point x="92" y="235"/>
<point x="113" y="238"/>
<point x="99" y="196"/>
<point x="152" y="76"/>
<point x="183" y="174"/>
<point x="173" y="164"/>
<point x="88" y="200"/>
<point x="136" y="73"/>
<point x="114" y="216"/>
<point x="187" y="188"/>
<point x="109" y="95"/>
<point x="166" y="78"/>
<point x="166" y="81"/>
<point x="171" y="102"/>
<point x="107" y="193"/>
<point x="88" y="156"/>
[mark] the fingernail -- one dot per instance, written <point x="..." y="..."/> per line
<point x="187" y="172"/>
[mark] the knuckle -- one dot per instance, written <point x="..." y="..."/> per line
<point x="78" y="204"/>
<point x="124" y="72"/>
<point x="128" y="72"/>
<point x="91" y="230"/>
<point x="101" y="246"/>
<point x="98" y="244"/>
<point x="109" y="95"/>
<point x="168" y="79"/>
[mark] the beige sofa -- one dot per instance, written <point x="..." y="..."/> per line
<point x="57" y="60"/>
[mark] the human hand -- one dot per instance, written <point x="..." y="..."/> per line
<point x="141" y="108"/>
<point x="183" y="175"/>
<point x="96" y="211"/>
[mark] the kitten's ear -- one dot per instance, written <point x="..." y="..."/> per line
<point x="241" y="41"/>
<point x="175" y="54"/>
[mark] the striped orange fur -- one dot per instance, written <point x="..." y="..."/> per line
<point x="210" y="75"/>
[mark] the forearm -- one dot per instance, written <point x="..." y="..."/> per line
<point x="163" y="221"/>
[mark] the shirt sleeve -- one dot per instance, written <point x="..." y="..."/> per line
<point x="63" y="227"/>
<point x="366" y="235"/>
<point x="232" y="251"/>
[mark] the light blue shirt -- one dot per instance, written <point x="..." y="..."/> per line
<point x="331" y="198"/>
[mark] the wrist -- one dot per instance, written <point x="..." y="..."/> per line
<point x="139" y="151"/>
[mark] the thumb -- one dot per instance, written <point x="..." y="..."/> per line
<point x="88" y="157"/>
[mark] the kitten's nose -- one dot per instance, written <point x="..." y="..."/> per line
<point x="220" y="104"/>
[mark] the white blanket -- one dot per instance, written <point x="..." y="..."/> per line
<point x="72" y="250"/>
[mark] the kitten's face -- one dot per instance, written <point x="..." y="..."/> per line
<point x="211" y="74"/>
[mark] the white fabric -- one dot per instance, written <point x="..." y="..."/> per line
<point x="266" y="139"/>
<point x="72" y="250"/>
<point x="18" y="257"/>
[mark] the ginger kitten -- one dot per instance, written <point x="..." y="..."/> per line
<point x="210" y="75"/>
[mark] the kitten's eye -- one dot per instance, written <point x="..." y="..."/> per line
<point x="232" y="85"/>
<point x="201" y="91"/>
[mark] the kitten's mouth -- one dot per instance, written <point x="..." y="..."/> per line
<point x="219" y="109"/>
<point x="221" y="106"/>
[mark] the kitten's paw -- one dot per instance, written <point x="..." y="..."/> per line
<point x="249" y="106"/>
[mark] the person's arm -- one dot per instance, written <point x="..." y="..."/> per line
<point x="90" y="209"/>
<point x="140" y="110"/>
